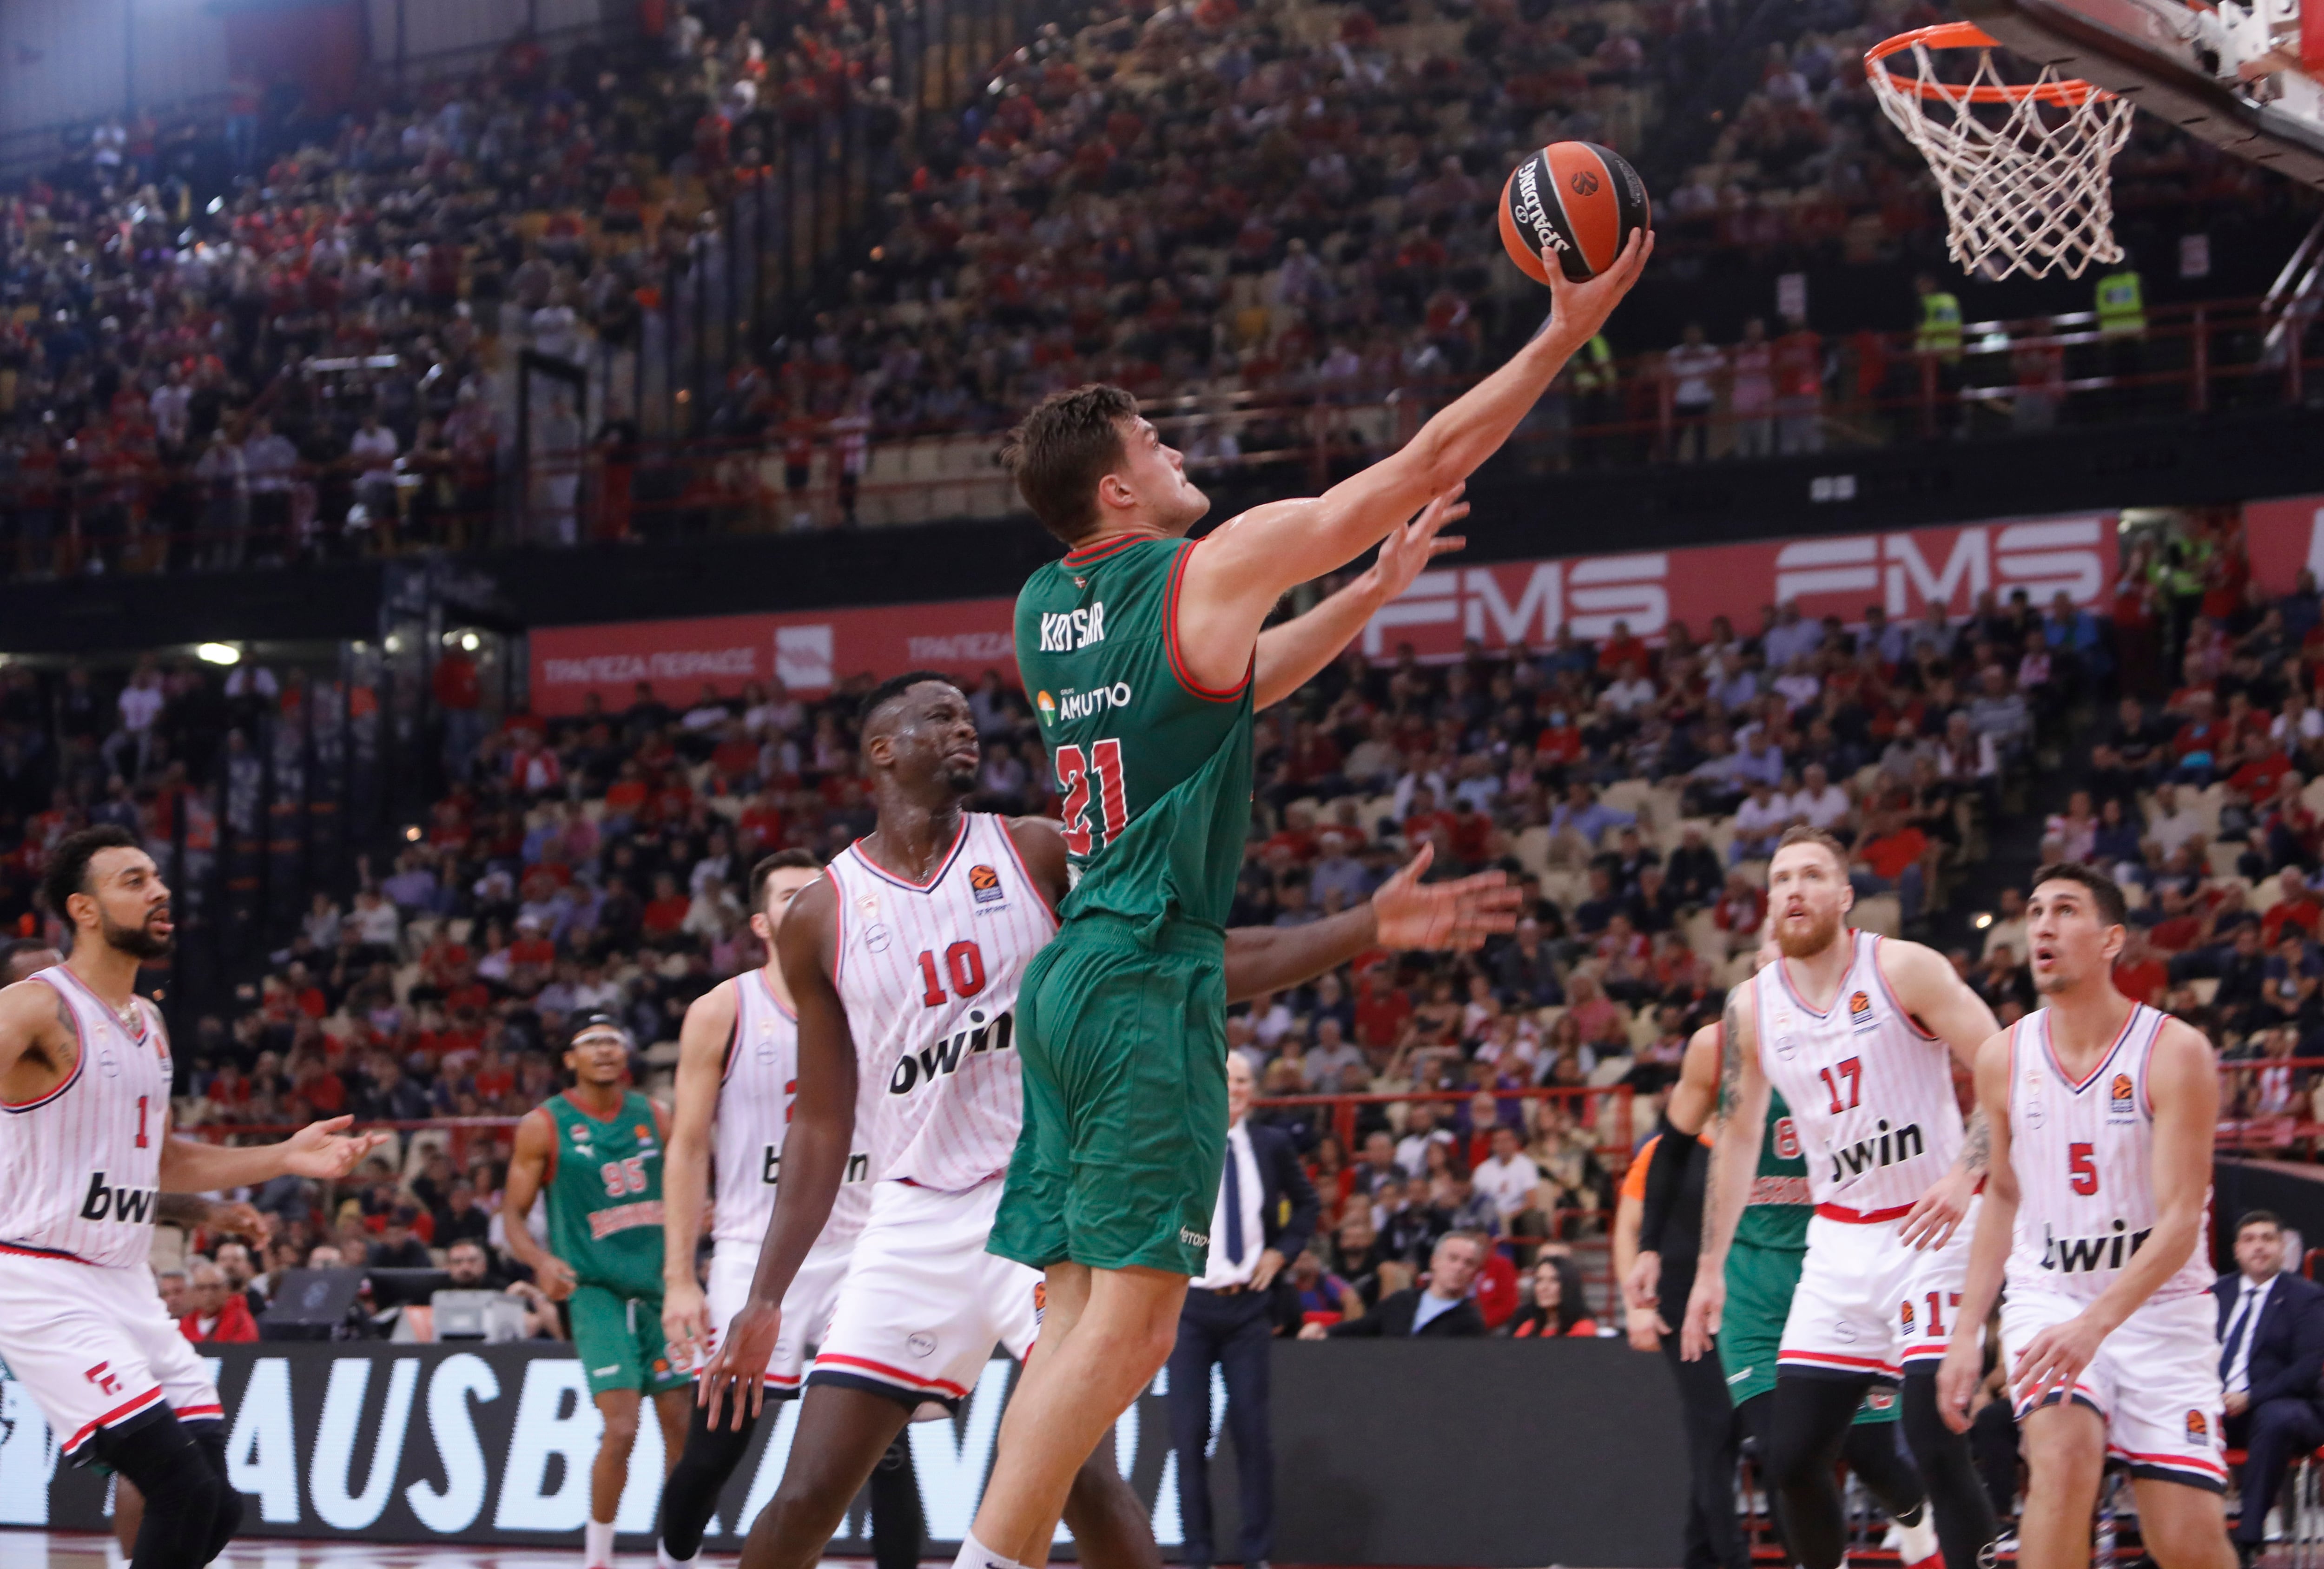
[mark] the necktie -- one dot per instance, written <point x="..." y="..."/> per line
<point x="1235" y="1205"/>
<point x="2239" y="1332"/>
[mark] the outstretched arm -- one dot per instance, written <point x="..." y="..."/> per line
<point x="319" y="1150"/>
<point x="1234" y="579"/>
<point x="814" y="1159"/>
<point x="1405" y="914"/>
<point x="1290" y="653"/>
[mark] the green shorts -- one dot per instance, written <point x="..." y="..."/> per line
<point x="1759" y="1286"/>
<point x="1122" y="1030"/>
<point x="619" y="1341"/>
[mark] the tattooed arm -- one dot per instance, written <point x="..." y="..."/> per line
<point x="1734" y="1156"/>
<point x="39" y="1041"/>
<point x="1942" y="1005"/>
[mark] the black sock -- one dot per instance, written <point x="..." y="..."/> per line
<point x="1807" y="1428"/>
<point x="1965" y="1522"/>
<point x="690" y="1497"/>
<point x="184" y="1497"/>
<point x="1872" y="1453"/>
<point x="209" y="1438"/>
<point x="897" y="1525"/>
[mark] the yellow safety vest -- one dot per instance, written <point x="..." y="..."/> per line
<point x="2122" y="304"/>
<point x="1940" y="325"/>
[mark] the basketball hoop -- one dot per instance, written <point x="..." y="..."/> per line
<point x="2022" y="169"/>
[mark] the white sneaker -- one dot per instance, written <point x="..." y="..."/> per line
<point x="1916" y="1545"/>
<point x="663" y="1558"/>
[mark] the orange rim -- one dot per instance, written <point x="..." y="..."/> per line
<point x="2068" y="93"/>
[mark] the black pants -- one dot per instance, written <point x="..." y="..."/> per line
<point x="1714" y="1540"/>
<point x="1231" y="1331"/>
<point x="1993" y="1445"/>
<point x="2269" y="1435"/>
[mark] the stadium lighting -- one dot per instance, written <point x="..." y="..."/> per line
<point x="219" y="653"/>
<point x="216" y="205"/>
<point x="470" y="643"/>
<point x="1984" y="919"/>
<point x="412" y="834"/>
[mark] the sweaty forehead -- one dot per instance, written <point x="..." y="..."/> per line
<point x="117" y="860"/>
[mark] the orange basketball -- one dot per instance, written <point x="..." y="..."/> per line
<point x="1581" y="200"/>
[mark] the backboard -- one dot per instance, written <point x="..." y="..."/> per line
<point x="2250" y="80"/>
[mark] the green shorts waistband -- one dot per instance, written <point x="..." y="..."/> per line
<point x="1162" y="935"/>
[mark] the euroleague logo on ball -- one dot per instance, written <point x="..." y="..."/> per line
<point x="1578" y="202"/>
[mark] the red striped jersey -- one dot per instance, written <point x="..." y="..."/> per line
<point x="928" y="973"/>
<point x="80" y="1166"/>
<point x="2083" y="1152"/>
<point x="754" y="1112"/>
<point x="1871" y="1095"/>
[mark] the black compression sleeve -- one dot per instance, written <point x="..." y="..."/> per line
<point x="1665" y="1172"/>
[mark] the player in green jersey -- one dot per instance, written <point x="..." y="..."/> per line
<point x="596" y="1151"/>
<point x="1146" y="658"/>
<point x="1763" y="1270"/>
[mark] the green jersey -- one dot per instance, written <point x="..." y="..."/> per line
<point x="1778" y="1215"/>
<point x="1154" y="771"/>
<point x="605" y="1202"/>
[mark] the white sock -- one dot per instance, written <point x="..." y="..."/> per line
<point x="663" y="1557"/>
<point x="975" y="1555"/>
<point x="597" y="1543"/>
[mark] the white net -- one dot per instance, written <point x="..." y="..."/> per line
<point x="2022" y="169"/>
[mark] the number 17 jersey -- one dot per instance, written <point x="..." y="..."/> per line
<point x="1870" y="1092"/>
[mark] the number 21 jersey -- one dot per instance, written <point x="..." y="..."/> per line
<point x="1153" y="768"/>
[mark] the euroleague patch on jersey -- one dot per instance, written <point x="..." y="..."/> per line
<point x="1860" y="1012"/>
<point x="1907" y="1315"/>
<point x="2122" y="1103"/>
<point x="984" y="884"/>
<point x="2199" y="1427"/>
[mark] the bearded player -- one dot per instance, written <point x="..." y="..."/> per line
<point x="1763" y="1275"/>
<point x="1859" y="1035"/>
<point x="907" y="963"/>
<point x="2103" y="1112"/>
<point x="83" y="1152"/>
<point x="737" y="1070"/>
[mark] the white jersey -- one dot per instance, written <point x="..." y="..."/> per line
<point x="928" y="973"/>
<point x="80" y="1167"/>
<point x="2083" y="1153"/>
<point x="1871" y="1093"/>
<point x="754" y="1111"/>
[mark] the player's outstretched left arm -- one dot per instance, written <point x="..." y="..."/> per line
<point x="1963" y="1367"/>
<point x="1231" y="582"/>
<point x="1404" y="914"/>
<point x="1940" y="1003"/>
<point x="1291" y="652"/>
<point x="2184" y="1088"/>
<point x="325" y="1151"/>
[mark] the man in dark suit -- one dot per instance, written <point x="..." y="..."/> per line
<point x="1265" y="1213"/>
<point x="2272" y="1362"/>
<point x="1441" y="1308"/>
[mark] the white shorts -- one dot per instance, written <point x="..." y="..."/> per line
<point x="2154" y="1382"/>
<point x="1868" y="1303"/>
<point x="806" y="1305"/>
<point x="924" y="1304"/>
<point x="94" y="1348"/>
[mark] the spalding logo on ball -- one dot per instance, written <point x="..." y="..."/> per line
<point x="1581" y="200"/>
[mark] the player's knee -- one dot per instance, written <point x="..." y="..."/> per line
<point x="807" y="1507"/>
<point x="2193" y="1538"/>
<point x="620" y="1432"/>
<point x="2058" y="1447"/>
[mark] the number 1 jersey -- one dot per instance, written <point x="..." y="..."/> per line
<point x="1153" y="768"/>
<point x="928" y="973"/>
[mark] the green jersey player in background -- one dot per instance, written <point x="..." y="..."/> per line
<point x="1144" y="659"/>
<point x="595" y="1149"/>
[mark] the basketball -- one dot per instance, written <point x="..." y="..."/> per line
<point x="1577" y="197"/>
